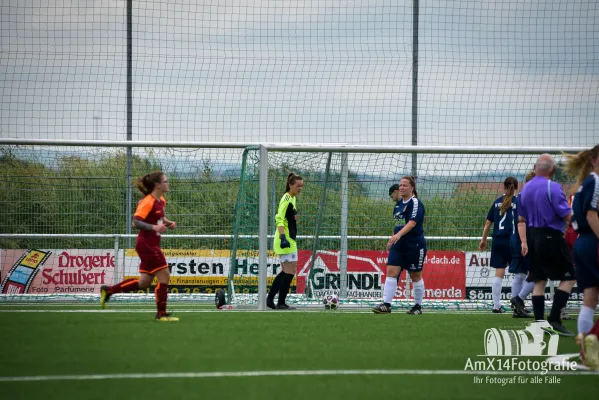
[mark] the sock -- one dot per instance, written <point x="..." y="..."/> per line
<point x="285" y="285"/>
<point x="389" y="290"/>
<point x="527" y="288"/>
<point x="517" y="284"/>
<point x="276" y="285"/>
<point x="585" y="319"/>
<point x="496" y="292"/>
<point x="161" y="293"/>
<point x="419" y="291"/>
<point x="129" y="285"/>
<point x="560" y="298"/>
<point x="538" y="307"/>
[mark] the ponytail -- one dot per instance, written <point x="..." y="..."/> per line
<point x="510" y="185"/>
<point x="580" y="165"/>
<point x="147" y="183"/>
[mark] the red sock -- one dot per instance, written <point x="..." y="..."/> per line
<point x="129" y="285"/>
<point x="595" y="329"/>
<point x="161" y="293"/>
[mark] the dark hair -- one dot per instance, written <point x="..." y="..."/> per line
<point x="531" y="174"/>
<point x="412" y="181"/>
<point x="510" y="185"/>
<point x="291" y="179"/>
<point x="580" y="164"/>
<point x="393" y="188"/>
<point x="147" y="183"/>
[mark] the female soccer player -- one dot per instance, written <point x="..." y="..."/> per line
<point x="407" y="246"/>
<point x="585" y="221"/>
<point x="519" y="266"/>
<point x="150" y="220"/>
<point x="502" y="218"/>
<point x="285" y="245"/>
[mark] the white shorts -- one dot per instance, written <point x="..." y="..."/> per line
<point x="291" y="257"/>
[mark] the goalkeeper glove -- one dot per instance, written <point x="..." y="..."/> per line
<point x="284" y="242"/>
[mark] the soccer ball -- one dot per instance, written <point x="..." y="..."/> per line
<point x="331" y="302"/>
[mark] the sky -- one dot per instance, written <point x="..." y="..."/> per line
<point x="490" y="72"/>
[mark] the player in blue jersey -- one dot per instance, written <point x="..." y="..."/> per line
<point x="585" y="220"/>
<point x="407" y="246"/>
<point x="519" y="266"/>
<point x="502" y="218"/>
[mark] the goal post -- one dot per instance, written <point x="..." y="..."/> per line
<point x="457" y="186"/>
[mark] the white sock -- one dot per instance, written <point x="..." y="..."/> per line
<point x="585" y="319"/>
<point x="527" y="288"/>
<point x="517" y="284"/>
<point x="390" y="288"/>
<point x="418" y="291"/>
<point x="496" y="292"/>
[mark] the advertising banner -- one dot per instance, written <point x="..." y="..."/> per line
<point x="56" y="271"/>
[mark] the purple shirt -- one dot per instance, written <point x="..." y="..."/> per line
<point x="538" y="209"/>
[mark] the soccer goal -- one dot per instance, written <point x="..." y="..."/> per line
<point x="345" y="220"/>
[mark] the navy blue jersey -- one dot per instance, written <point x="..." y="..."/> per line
<point x="412" y="210"/>
<point x="503" y="225"/>
<point x="585" y="200"/>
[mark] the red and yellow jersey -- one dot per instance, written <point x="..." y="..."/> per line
<point x="150" y="210"/>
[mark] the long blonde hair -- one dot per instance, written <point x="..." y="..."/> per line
<point x="580" y="165"/>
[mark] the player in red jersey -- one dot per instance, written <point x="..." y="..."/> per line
<point x="150" y="220"/>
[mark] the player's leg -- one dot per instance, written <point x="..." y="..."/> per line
<point x="418" y="285"/>
<point x="500" y="257"/>
<point x="586" y="258"/>
<point x="414" y="260"/>
<point x="289" y="269"/>
<point x="560" y="268"/>
<point x="161" y="292"/>
<point x="276" y="285"/>
<point x="390" y="287"/>
<point x="126" y="286"/>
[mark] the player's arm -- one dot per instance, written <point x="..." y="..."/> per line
<point x="168" y="223"/>
<point x="483" y="242"/>
<point x="280" y="220"/>
<point x="145" y="226"/>
<point x="593" y="220"/>
<point x="522" y="234"/>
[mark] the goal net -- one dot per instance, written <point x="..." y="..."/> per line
<point x="345" y="220"/>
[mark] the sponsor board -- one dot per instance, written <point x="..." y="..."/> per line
<point x="443" y="274"/>
<point x="203" y="271"/>
<point x="479" y="279"/>
<point x="56" y="271"/>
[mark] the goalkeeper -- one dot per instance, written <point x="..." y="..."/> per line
<point x="285" y="245"/>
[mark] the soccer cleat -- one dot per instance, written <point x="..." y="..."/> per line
<point x="382" y="309"/>
<point x="284" y="307"/>
<point x="557" y="328"/>
<point x="516" y="314"/>
<point x="564" y="316"/>
<point x="166" y="318"/>
<point x="417" y="309"/>
<point x="517" y="304"/>
<point x="591" y="352"/>
<point x="271" y="304"/>
<point x="104" y="296"/>
<point x="498" y="310"/>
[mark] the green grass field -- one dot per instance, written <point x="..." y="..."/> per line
<point x="87" y="352"/>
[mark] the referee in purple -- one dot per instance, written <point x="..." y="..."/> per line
<point x="542" y="215"/>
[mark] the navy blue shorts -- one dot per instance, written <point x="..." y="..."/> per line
<point x="408" y="256"/>
<point x="586" y="256"/>
<point x="519" y="264"/>
<point x="501" y="254"/>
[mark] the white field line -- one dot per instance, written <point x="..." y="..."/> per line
<point x="242" y="374"/>
<point x="177" y="310"/>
